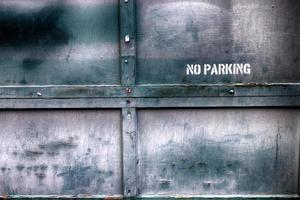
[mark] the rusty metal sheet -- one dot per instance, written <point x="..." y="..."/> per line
<point x="60" y="152"/>
<point x="218" y="151"/>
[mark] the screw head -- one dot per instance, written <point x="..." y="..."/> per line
<point x="39" y="94"/>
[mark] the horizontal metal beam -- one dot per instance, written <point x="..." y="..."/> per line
<point x="157" y="91"/>
<point x="237" y="90"/>
<point x="218" y="197"/>
<point x="189" y="102"/>
<point x="36" y="197"/>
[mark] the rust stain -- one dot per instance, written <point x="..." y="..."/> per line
<point x="113" y="198"/>
<point x="5" y="196"/>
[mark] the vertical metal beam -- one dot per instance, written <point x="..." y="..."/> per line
<point x="298" y="169"/>
<point x="127" y="42"/>
<point x="129" y="123"/>
<point x="129" y="153"/>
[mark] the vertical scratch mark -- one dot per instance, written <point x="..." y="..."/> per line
<point x="69" y="54"/>
<point x="277" y="149"/>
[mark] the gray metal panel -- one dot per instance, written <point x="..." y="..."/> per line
<point x="218" y="151"/>
<point x="59" y="42"/>
<point x="56" y="152"/>
<point x="174" y="33"/>
<point x="129" y="155"/>
<point x="62" y="167"/>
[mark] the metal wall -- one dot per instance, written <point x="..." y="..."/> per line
<point x="96" y="103"/>
<point x="263" y="33"/>
<point x="219" y="151"/>
<point x="67" y="152"/>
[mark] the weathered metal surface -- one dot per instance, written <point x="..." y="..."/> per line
<point x="127" y="42"/>
<point x="54" y="42"/>
<point x="100" y="54"/>
<point x="174" y="33"/>
<point x="129" y="130"/>
<point x="228" y="197"/>
<point x="183" y="102"/>
<point x="159" y="91"/>
<point x="67" y="152"/>
<point x="218" y="151"/>
<point x="91" y="54"/>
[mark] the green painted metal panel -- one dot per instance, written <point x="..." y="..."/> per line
<point x="174" y="33"/>
<point x="70" y="42"/>
<point x="218" y="152"/>
<point x="49" y="47"/>
<point x="129" y="54"/>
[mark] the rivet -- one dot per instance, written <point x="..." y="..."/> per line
<point x="126" y="1"/>
<point x="39" y="94"/>
<point x="126" y="61"/>
<point x="231" y="91"/>
<point x="128" y="90"/>
<point x="127" y="38"/>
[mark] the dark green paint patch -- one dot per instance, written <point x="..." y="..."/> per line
<point x="221" y="185"/>
<point x="164" y="185"/>
<point x="79" y="177"/>
<point x="3" y="169"/>
<point x="35" y="168"/>
<point x="20" y="167"/>
<point x="203" y="160"/>
<point x="40" y="175"/>
<point x="28" y="170"/>
<point x="29" y="64"/>
<point x="56" y="146"/>
<point x="43" y="167"/>
<point x="32" y="154"/>
<point x="41" y="27"/>
<point x="51" y="44"/>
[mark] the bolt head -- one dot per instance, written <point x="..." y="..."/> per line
<point x="128" y="90"/>
<point x="129" y="114"/>
<point x="127" y="38"/>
